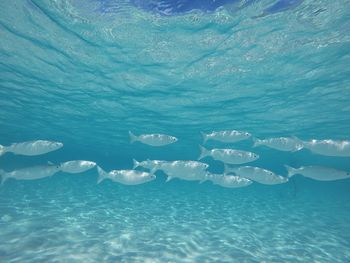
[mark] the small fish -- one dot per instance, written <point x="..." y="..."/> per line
<point x="148" y="164"/>
<point x="77" y="166"/>
<point x="226" y="136"/>
<point x="229" y="181"/>
<point x="318" y="173"/>
<point x="153" y="139"/>
<point x="228" y="155"/>
<point x="329" y="147"/>
<point x="186" y="170"/>
<point x="126" y="177"/>
<point x="30" y="173"/>
<point x="31" y="148"/>
<point x="285" y="144"/>
<point x="257" y="174"/>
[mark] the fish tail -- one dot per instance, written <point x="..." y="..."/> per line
<point x="2" y="149"/>
<point x="291" y="171"/>
<point x="135" y="164"/>
<point x="204" y="152"/>
<point x="227" y="169"/>
<point x="4" y="176"/>
<point x="205" y="137"/>
<point x="101" y="174"/>
<point x="257" y="142"/>
<point x="133" y="137"/>
<point x="154" y="169"/>
<point x="169" y="178"/>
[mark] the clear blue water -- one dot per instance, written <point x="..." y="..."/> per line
<point x="86" y="72"/>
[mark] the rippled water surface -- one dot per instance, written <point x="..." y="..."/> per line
<point x="86" y="72"/>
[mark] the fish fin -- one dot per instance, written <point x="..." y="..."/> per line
<point x="2" y="149"/>
<point x="50" y="163"/>
<point x="227" y="169"/>
<point x="257" y="142"/>
<point x="169" y="178"/>
<point x="204" y="152"/>
<point x="101" y="174"/>
<point x="135" y="164"/>
<point x="154" y="170"/>
<point x="203" y="180"/>
<point x="291" y="171"/>
<point x="205" y="137"/>
<point x="4" y="176"/>
<point x="133" y="137"/>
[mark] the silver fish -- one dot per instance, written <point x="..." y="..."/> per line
<point x="77" y="166"/>
<point x="229" y="155"/>
<point x="30" y="173"/>
<point x="229" y="181"/>
<point x="153" y="139"/>
<point x="31" y="148"/>
<point x="148" y="164"/>
<point x="226" y="136"/>
<point x="318" y="173"/>
<point x="186" y="170"/>
<point x="257" y="174"/>
<point x="126" y="177"/>
<point x="286" y="144"/>
<point x="329" y="147"/>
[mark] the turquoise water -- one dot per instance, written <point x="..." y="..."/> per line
<point x="73" y="72"/>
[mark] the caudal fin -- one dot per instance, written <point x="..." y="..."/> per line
<point x="204" y="152"/>
<point x="257" y="142"/>
<point x="101" y="174"/>
<point x="133" y="137"/>
<point x="169" y="178"/>
<point x="205" y="137"/>
<point x="4" y="176"/>
<point x="205" y="178"/>
<point x="291" y="171"/>
<point x="2" y="149"/>
<point x="135" y="164"/>
<point x="227" y="169"/>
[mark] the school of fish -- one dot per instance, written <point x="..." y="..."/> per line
<point x="235" y="174"/>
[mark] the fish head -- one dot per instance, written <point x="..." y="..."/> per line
<point x="255" y="156"/>
<point x="245" y="181"/>
<point x="149" y="177"/>
<point x="269" y="173"/>
<point x="57" y="166"/>
<point x="205" y="165"/>
<point x="173" y="139"/>
<point x="56" y="145"/>
<point x="247" y="134"/>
